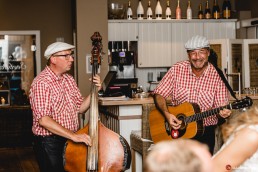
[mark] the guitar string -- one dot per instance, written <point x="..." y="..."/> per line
<point x="199" y="116"/>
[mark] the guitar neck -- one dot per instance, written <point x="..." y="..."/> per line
<point x="202" y="115"/>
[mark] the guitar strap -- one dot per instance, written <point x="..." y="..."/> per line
<point x="213" y="58"/>
<point x="222" y="76"/>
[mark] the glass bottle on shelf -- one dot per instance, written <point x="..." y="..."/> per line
<point x="215" y="10"/>
<point x="149" y="11"/>
<point x="168" y="11"/>
<point x="200" y="12"/>
<point x="140" y="11"/>
<point x="178" y="10"/>
<point x="158" y="11"/>
<point x="207" y="12"/>
<point x="189" y="11"/>
<point x="226" y="8"/>
<point x="129" y="11"/>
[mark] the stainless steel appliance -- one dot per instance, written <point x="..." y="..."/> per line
<point x="121" y="78"/>
<point x="122" y="58"/>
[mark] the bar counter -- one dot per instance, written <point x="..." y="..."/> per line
<point x="125" y="101"/>
<point x="149" y="100"/>
<point x="124" y="116"/>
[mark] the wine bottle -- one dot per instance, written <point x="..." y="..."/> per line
<point x="129" y="11"/>
<point x="149" y="11"/>
<point x="215" y="10"/>
<point x="168" y="11"/>
<point x="178" y="10"/>
<point x="158" y="11"/>
<point x="207" y="12"/>
<point x="200" y="12"/>
<point x="226" y="8"/>
<point x="140" y="11"/>
<point x="189" y="11"/>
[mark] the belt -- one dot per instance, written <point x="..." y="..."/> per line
<point x="54" y="136"/>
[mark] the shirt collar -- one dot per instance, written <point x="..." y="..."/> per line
<point x="206" y="71"/>
<point x="53" y="75"/>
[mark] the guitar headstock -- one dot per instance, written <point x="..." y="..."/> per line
<point x="246" y="102"/>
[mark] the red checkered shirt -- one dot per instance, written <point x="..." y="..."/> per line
<point x="57" y="97"/>
<point x="182" y="85"/>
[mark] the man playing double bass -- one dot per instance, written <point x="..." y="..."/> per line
<point x="196" y="81"/>
<point x="56" y="102"/>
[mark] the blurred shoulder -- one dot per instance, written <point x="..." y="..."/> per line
<point x="249" y="134"/>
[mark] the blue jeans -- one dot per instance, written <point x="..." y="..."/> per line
<point x="49" y="152"/>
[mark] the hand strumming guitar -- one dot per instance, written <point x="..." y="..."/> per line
<point x="173" y="121"/>
<point x="161" y="104"/>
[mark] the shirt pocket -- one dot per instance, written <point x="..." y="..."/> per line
<point x="181" y="95"/>
<point x="58" y="104"/>
<point x="205" y="99"/>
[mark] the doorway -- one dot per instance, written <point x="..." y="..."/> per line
<point x="19" y="64"/>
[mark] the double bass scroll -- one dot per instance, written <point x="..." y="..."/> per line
<point x="109" y="152"/>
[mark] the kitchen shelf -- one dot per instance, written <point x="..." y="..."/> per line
<point x="173" y="21"/>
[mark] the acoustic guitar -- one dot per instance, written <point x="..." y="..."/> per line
<point x="191" y="117"/>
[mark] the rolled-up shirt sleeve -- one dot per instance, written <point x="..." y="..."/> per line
<point x="40" y="100"/>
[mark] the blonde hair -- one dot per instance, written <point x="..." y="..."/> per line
<point x="174" y="156"/>
<point x="248" y="117"/>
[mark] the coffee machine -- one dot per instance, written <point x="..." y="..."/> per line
<point x="122" y="60"/>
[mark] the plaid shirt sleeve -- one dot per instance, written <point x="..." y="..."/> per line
<point x="165" y="87"/>
<point x="40" y="100"/>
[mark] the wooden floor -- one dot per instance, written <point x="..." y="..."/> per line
<point x="18" y="160"/>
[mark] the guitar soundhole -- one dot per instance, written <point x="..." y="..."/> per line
<point x="181" y="117"/>
<point x="181" y="130"/>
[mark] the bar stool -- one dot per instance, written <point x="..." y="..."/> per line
<point x="140" y="139"/>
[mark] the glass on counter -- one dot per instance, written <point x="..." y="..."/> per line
<point x="250" y="90"/>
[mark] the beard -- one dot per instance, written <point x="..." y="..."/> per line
<point x="199" y="64"/>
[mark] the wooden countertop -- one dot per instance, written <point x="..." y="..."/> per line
<point x="253" y="96"/>
<point x="139" y="101"/>
<point x="125" y="101"/>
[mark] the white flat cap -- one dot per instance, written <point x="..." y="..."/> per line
<point x="56" y="47"/>
<point x="197" y="42"/>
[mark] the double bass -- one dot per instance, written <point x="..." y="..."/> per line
<point x="109" y="151"/>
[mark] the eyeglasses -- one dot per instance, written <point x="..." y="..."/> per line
<point x="66" y="56"/>
<point x="201" y="52"/>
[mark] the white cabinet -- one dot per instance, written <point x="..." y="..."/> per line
<point x="230" y="59"/>
<point x="154" y="45"/>
<point x="238" y="56"/>
<point x="220" y="30"/>
<point x="161" y="42"/>
<point x="250" y="62"/>
<point x="122" y="31"/>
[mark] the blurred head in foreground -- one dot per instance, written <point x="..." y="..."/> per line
<point x="182" y="155"/>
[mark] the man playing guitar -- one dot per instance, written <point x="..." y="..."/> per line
<point x="197" y="81"/>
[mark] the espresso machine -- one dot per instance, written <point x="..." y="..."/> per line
<point x="121" y="79"/>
